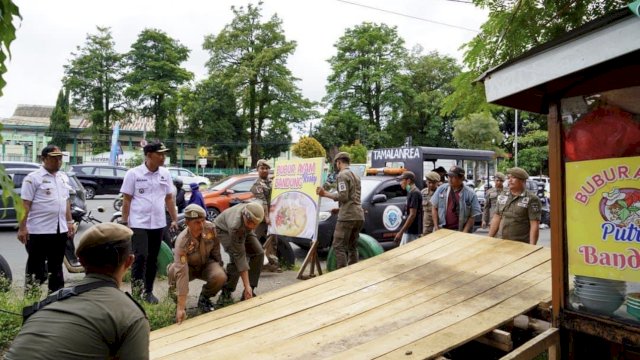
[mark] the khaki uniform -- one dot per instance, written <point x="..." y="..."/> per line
<point x="350" y="218"/>
<point x="98" y="324"/>
<point x="261" y="190"/>
<point x="491" y="204"/>
<point x="197" y="258"/>
<point x="242" y="245"/>
<point x="516" y="213"/>
<point x="427" y="217"/>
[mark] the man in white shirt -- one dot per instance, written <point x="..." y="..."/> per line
<point x="47" y="222"/>
<point x="147" y="190"/>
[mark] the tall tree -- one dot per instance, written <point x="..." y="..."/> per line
<point x="95" y="79"/>
<point x="155" y="76"/>
<point x="276" y="140"/>
<point x="339" y="128"/>
<point x="365" y="73"/>
<point x="211" y="118"/>
<point x="59" y="121"/>
<point x="477" y="131"/>
<point x="251" y="56"/>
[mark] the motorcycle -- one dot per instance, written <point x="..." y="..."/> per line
<point x="546" y="206"/>
<point x="78" y="215"/>
<point x="117" y="203"/>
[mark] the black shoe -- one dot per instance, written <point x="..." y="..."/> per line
<point x="150" y="298"/>
<point x="205" y="305"/>
<point x="224" y="299"/>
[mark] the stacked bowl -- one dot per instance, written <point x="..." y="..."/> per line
<point x="600" y="295"/>
<point x="633" y="304"/>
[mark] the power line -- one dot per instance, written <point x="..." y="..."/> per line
<point x="411" y="16"/>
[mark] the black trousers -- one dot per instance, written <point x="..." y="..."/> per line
<point x="145" y="244"/>
<point x="46" y="252"/>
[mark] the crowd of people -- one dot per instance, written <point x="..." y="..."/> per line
<point x="151" y="204"/>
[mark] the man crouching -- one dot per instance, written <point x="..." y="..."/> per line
<point x="196" y="256"/>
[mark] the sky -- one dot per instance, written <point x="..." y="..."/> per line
<point x="51" y="30"/>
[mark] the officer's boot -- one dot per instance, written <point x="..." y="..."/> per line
<point x="225" y="298"/>
<point x="204" y="304"/>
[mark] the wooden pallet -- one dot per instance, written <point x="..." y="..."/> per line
<point x="416" y="301"/>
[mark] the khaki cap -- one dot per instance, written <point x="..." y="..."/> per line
<point x="51" y="150"/>
<point x="518" y="173"/>
<point x="342" y="155"/>
<point x="433" y="176"/>
<point x="194" y="211"/>
<point x="262" y="162"/>
<point x="499" y="176"/>
<point x="102" y="234"/>
<point x="254" y="212"/>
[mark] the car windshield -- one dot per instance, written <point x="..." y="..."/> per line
<point x="223" y="185"/>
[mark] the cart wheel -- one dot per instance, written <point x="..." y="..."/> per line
<point x="367" y="247"/>
<point x="165" y="257"/>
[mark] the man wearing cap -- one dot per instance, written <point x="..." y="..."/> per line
<point x="235" y="228"/>
<point x="412" y="227"/>
<point x="196" y="256"/>
<point x="491" y="203"/>
<point x="261" y="190"/>
<point x="454" y="205"/>
<point x="350" y="213"/>
<point x="147" y="191"/>
<point x="432" y="181"/>
<point x="99" y="321"/>
<point x="47" y="223"/>
<point x="519" y="211"/>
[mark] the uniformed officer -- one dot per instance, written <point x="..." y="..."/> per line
<point x="235" y="228"/>
<point x="519" y="211"/>
<point x="491" y="199"/>
<point x="196" y="256"/>
<point x="47" y="223"/>
<point x="100" y="321"/>
<point x="350" y="215"/>
<point x="261" y="190"/>
<point x="147" y="190"/>
<point x="433" y="179"/>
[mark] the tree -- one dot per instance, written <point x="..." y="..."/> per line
<point x="339" y="128"/>
<point x="365" y="73"/>
<point x="9" y="12"/>
<point x="154" y="78"/>
<point x="251" y="56"/>
<point x="427" y="82"/>
<point x="94" y="77"/>
<point x="357" y="151"/>
<point x="534" y="155"/>
<point x="277" y="139"/>
<point x="308" y="147"/>
<point x="477" y="131"/>
<point x="59" y="121"/>
<point x="211" y="118"/>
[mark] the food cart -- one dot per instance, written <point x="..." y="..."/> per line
<point x="588" y="82"/>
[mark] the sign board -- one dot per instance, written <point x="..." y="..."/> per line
<point x="294" y="203"/>
<point x="603" y="218"/>
<point x="66" y="156"/>
<point x="203" y="152"/>
<point x="202" y="162"/>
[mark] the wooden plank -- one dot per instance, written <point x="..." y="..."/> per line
<point x="264" y="314"/>
<point x="408" y="333"/>
<point x="535" y="346"/>
<point x="471" y="327"/>
<point x="424" y="245"/>
<point x="321" y="293"/>
<point x="377" y="297"/>
<point x="498" y="339"/>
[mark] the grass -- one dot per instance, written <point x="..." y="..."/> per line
<point x="11" y="305"/>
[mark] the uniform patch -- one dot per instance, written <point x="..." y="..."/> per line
<point x="141" y="191"/>
<point x="523" y="204"/>
<point x="342" y="186"/>
<point x="535" y="208"/>
<point x="502" y="199"/>
<point x="525" y="200"/>
<point x="183" y="259"/>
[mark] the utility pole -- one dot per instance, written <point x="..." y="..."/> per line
<point x="516" y="142"/>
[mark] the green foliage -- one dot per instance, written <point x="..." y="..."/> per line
<point x="277" y="139"/>
<point x="366" y="73"/>
<point x="160" y="315"/>
<point x="59" y="122"/>
<point x="339" y="128"/>
<point x="308" y="147"/>
<point x="95" y="79"/>
<point x="10" y="323"/>
<point x="357" y="151"/>
<point x="154" y="77"/>
<point x="477" y="131"/>
<point x="250" y="56"/>
<point x="534" y="155"/>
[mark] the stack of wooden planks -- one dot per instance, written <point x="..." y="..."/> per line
<point x="416" y="301"/>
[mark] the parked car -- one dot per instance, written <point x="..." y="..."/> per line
<point x="17" y="175"/>
<point x="227" y="193"/>
<point x="188" y="177"/>
<point x="384" y="203"/>
<point x="100" y="179"/>
<point x="19" y="165"/>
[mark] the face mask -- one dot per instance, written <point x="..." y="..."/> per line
<point x="408" y="187"/>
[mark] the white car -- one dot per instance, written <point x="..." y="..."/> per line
<point x="188" y="177"/>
